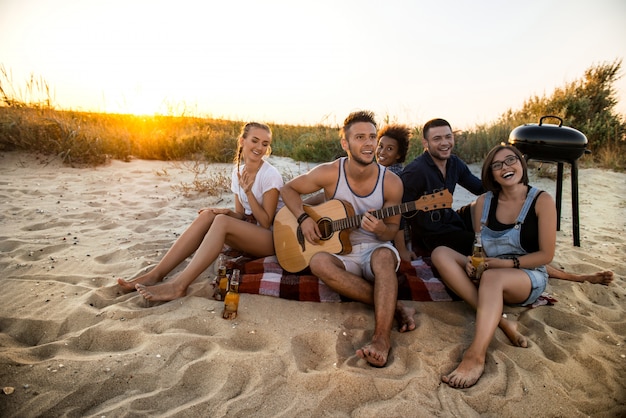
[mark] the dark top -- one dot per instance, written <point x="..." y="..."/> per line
<point x="395" y="168"/>
<point x="422" y="177"/>
<point x="529" y="232"/>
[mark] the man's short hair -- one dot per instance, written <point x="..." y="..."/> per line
<point x="355" y="117"/>
<point x="434" y="123"/>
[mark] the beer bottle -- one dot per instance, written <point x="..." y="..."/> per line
<point x="220" y="283"/>
<point x="478" y="255"/>
<point x="231" y="300"/>
<point x="222" y="279"/>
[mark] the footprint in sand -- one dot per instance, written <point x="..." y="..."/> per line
<point x="106" y="296"/>
<point x="563" y="332"/>
<point x="313" y="351"/>
<point x="97" y="339"/>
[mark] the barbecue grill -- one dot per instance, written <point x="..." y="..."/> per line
<point x="559" y="144"/>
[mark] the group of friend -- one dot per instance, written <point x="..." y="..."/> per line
<point x="517" y="223"/>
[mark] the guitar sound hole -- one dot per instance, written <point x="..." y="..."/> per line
<point x="326" y="228"/>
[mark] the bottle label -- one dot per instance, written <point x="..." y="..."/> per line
<point x="230" y="311"/>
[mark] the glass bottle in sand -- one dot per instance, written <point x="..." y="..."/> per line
<point x="231" y="300"/>
<point x="222" y="278"/>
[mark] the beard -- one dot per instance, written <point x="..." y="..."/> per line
<point x="357" y="157"/>
<point x="436" y="155"/>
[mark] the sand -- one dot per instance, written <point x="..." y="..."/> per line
<point x="72" y="345"/>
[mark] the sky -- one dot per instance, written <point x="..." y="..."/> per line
<point x="307" y="62"/>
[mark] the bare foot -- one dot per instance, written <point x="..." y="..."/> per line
<point x="160" y="292"/>
<point x="510" y="330"/>
<point x="467" y="373"/>
<point x="600" y="277"/>
<point x="375" y="353"/>
<point x="146" y="279"/>
<point x="404" y="317"/>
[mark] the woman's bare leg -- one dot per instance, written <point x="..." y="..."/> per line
<point x="453" y="274"/>
<point x="224" y="230"/>
<point x="493" y="291"/>
<point x="184" y="246"/>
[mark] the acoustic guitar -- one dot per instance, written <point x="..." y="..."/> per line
<point x="335" y="218"/>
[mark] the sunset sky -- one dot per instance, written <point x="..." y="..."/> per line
<point x="290" y="61"/>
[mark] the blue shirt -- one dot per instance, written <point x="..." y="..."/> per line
<point x="422" y="177"/>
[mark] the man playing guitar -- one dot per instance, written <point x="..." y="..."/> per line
<point x="368" y="272"/>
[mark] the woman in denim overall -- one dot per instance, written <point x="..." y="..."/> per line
<point x="519" y="238"/>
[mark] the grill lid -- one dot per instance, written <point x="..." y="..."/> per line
<point x="549" y="142"/>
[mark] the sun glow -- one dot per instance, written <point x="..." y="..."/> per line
<point x="138" y="104"/>
<point x="290" y="62"/>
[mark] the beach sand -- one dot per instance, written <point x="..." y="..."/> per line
<point x="72" y="345"/>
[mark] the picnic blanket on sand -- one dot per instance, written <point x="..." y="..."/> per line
<point x="264" y="276"/>
<point x="417" y="281"/>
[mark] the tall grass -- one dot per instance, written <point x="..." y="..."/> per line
<point x="29" y="121"/>
<point x="81" y="138"/>
<point x="92" y="138"/>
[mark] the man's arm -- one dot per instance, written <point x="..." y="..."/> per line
<point x="468" y="180"/>
<point x="388" y="228"/>
<point x="310" y="182"/>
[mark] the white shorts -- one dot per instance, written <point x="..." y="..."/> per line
<point x="358" y="261"/>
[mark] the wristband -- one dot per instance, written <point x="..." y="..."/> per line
<point x="515" y="262"/>
<point x="302" y="217"/>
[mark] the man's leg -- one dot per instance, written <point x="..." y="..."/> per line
<point x="383" y="262"/>
<point x="379" y="294"/>
<point x="600" y="277"/>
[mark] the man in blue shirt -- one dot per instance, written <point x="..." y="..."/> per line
<point x="437" y="169"/>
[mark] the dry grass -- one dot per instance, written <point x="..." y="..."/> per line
<point x="28" y="121"/>
<point x="213" y="184"/>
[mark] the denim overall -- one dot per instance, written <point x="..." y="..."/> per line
<point x="507" y="243"/>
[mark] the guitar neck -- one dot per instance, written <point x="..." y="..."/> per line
<point x="427" y="203"/>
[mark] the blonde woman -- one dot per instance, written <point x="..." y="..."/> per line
<point x="256" y="185"/>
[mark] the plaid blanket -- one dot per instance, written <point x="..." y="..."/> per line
<point x="264" y="276"/>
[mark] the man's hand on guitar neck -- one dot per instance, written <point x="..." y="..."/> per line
<point x="371" y="223"/>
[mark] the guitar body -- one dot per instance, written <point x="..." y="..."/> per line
<point x="293" y="251"/>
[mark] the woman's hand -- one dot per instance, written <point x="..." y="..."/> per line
<point x="474" y="272"/>
<point x="246" y="180"/>
<point x="497" y="263"/>
<point x="470" y="270"/>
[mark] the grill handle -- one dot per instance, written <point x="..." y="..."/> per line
<point x="551" y="116"/>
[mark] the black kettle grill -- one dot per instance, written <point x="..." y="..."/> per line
<point x="559" y="144"/>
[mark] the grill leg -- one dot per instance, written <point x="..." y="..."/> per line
<point x="575" y="214"/>
<point x="559" y="194"/>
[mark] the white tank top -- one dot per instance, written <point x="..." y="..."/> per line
<point x="361" y="204"/>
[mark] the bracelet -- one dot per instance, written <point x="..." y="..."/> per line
<point x="515" y="262"/>
<point x="302" y="217"/>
